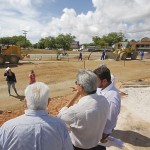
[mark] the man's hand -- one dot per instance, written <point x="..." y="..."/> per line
<point x="75" y="97"/>
<point x="73" y="89"/>
<point x="104" y="138"/>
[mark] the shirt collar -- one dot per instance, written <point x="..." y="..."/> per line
<point x="85" y="98"/>
<point x="29" y="112"/>
<point x="104" y="91"/>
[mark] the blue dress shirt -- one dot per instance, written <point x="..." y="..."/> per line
<point x="35" y="130"/>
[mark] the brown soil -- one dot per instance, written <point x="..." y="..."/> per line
<point x="60" y="76"/>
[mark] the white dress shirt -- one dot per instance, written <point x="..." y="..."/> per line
<point x="35" y="130"/>
<point x="86" y="120"/>
<point x="112" y="78"/>
<point x="112" y="95"/>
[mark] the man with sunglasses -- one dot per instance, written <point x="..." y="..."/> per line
<point x="107" y="88"/>
<point x="87" y="118"/>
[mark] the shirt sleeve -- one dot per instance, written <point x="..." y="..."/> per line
<point x="15" y="78"/>
<point x="67" y="142"/>
<point x="68" y="115"/>
<point x="0" y="138"/>
<point x="3" y="133"/>
<point x="112" y="119"/>
<point x="5" y="74"/>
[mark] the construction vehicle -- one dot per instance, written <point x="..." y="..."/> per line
<point x="11" y="54"/>
<point x="124" y="50"/>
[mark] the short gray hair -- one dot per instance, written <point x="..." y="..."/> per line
<point x="88" y="80"/>
<point x="37" y="95"/>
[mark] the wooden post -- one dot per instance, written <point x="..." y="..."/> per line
<point x="124" y="62"/>
<point x="84" y="64"/>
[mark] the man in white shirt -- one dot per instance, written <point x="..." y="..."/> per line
<point x="35" y="130"/>
<point x="87" y="118"/>
<point x="107" y="89"/>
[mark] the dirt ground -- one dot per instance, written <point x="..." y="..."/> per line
<point x="60" y="76"/>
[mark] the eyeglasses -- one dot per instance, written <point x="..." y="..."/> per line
<point x="76" y="82"/>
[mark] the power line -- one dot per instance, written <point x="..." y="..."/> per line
<point x="25" y="33"/>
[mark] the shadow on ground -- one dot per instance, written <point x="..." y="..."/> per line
<point x="132" y="137"/>
<point x="20" y="97"/>
<point x="1" y="111"/>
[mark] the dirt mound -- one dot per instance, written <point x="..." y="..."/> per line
<point x="54" y="106"/>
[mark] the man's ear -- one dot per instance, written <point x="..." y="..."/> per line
<point x="105" y="82"/>
<point x="80" y="88"/>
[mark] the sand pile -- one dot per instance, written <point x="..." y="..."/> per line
<point x="138" y="102"/>
<point x="134" y="121"/>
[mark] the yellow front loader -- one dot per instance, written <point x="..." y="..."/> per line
<point x="11" y="54"/>
<point x="124" y="50"/>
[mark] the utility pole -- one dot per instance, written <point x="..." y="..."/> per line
<point x="25" y="33"/>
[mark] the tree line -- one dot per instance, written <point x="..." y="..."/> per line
<point x="63" y="41"/>
<point x="15" y="40"/>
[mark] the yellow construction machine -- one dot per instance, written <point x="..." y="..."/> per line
<point x="124" y="50"/>
<point x="11" y="54"/>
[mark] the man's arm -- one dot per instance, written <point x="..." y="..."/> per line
<point x="68" y="114"/>
<point x="75" y="97"/>
<point x="104" y="138"/>
<point x="14" y="77"/>
<point x="5" y="73"/>
<point x="67" y="145"/>
<point x="1" y="138"/>
<point x="112" y="119"/>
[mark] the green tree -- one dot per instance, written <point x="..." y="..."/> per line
<point x="100" y="42"/>
<point x="41" y="43"/>
<point x="96" y="40"/>
<point x="35" y="45"/>
<point x="113" y="38"/>
<point x="133" y="40"/>
<point x="50" y="42"/>
<point x="108" y="40"/>
<point x="64" y="41"/>
<point x="15" y="40"/>
<point x="5" y="40"/>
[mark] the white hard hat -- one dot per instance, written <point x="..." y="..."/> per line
<point x="7" y="68"/>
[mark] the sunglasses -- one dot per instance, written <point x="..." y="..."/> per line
<point x="76" y="82"/>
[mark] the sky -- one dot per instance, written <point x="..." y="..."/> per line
<point x="80" y="18"/>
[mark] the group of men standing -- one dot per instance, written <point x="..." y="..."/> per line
<point x="84" y="123"/>
<point x="103" y="55"/>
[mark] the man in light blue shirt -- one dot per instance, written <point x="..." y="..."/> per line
<point x="35" y="130"/>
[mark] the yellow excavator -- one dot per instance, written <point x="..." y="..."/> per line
<point x="124" y="50"/>
<point x="11" y="54"/>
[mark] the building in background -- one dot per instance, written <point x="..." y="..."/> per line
<point x="75" y="45"/>
<point x="143" y="45"/>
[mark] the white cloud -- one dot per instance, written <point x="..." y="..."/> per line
<point x="109" y="16"/>
<point x="23" y="3"/>
<point x="18" y="15"/>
